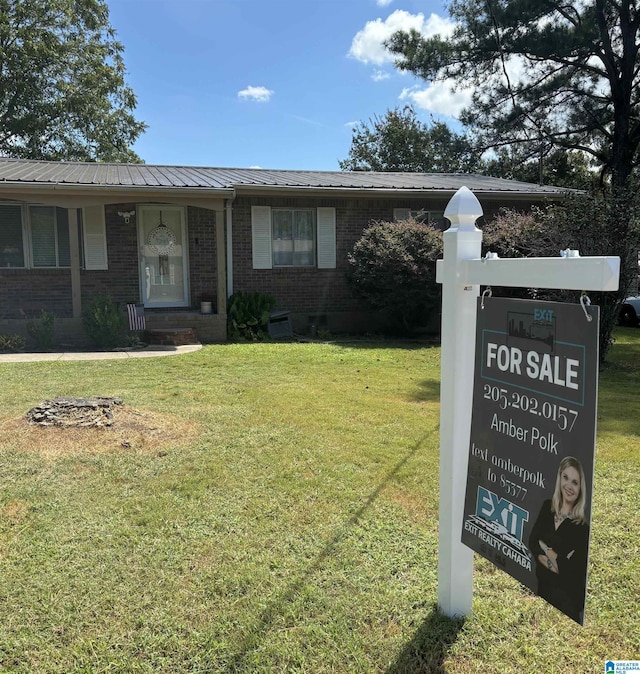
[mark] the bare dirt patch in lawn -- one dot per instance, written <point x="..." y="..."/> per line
<point x="131" y="430"/>
<point x="15" y="512"/>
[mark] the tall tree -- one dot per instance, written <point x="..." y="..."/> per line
<point x="550" y="73"/>
<point x="399" y="141"/>
<point x="62" y="89"/>
<point x="543" y="71"/>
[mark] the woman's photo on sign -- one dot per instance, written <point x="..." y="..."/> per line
<point x="559" y="541"/>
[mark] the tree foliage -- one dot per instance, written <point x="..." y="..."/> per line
<point x="581" y="222"/>
<point x="62" y="89"/>
<point x="545" y="74"/>
<point x="399" y="141"/>
<point x="393" y="267"/>
<point x="561" y="168"/>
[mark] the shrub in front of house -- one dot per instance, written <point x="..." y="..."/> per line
<point x="393" y="268"/>
<point x="248" y="316"/>
<point x="105" y="322"/>
<point x="11" y="343"/>
<point x="514" y="233"/>
<point x="42" y="330"/>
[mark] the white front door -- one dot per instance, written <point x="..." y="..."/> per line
<point x="163" y="256"/>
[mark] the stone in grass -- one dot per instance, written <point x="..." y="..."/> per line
<point x="86" y="412"/>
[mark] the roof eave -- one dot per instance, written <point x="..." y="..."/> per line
<point x="69" y="195"/>
<point x="75" y="187"/>
<point x="149" y="192"/>
<point x="259" y="190"/>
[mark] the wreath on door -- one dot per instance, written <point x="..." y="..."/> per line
<point x="161" y="240"/>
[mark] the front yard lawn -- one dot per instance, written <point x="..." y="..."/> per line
<point x="273" y="508"/>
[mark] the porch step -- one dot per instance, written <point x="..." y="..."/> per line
<point x="172" y="336"/>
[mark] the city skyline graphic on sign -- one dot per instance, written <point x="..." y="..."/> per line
<point x="526" y="331"/>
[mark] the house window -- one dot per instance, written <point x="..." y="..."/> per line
<point x="435" y="218"/>
<point x="44" y="230"/>
<point x="49" y="237"/>
<point x="293" y="237"/>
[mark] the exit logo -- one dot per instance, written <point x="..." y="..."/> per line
<point x="508" y="517"/>
<point x="543" y="315"/>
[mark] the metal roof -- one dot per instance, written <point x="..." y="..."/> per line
<point x="86" y="175"/>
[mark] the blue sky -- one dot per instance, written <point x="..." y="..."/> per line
<point x="270" y="83"/>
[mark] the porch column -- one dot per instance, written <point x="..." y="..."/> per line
<point x="221" y="265"/>
<point x="228" y="205"/>
<point x="74" y="250"/>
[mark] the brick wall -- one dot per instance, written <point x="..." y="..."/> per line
<point x="305" y="289"/>
<point x="202" y="255"/>
<point x="308" y="292"/>
<point x="121" y="280"/>
<point x="321" y="296"/>
<point x="25" y="292"/>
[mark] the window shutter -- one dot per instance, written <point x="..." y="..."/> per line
<point x="11" y="245"/>
<point x="94" y="235"/>
<point x="326" y="238"/>
<point x="261" y="237"/>
<point x="401" y="214"/>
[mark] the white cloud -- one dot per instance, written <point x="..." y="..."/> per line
<point x="379" y="75"/>
<point x="259" y="94"/>
<point x="438" y="98"/>
<point x="368" y="44"/>
<point x="383" y="3"/>
<point x="351" y="124"/>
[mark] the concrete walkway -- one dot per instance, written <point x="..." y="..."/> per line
<point x="147" y="352"/>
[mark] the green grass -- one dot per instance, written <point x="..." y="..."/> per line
<point x="279" y="514"/>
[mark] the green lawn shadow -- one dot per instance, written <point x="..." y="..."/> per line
<point x="241" y="660"/>
<point x="428" y="391"/>
<point x="427" y="651"/>
<point x="386" y="343"/>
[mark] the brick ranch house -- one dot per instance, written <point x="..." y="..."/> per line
<point x="169" y="237"/>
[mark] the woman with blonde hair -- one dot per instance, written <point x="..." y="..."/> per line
<point x="559" y="541"/>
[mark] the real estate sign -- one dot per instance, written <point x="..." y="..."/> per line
<point x="531" y="450"/>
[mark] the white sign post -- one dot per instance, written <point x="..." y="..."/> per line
<point x="461" y="272"/>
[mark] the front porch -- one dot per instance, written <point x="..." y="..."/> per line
<point x="168" y="252"/>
